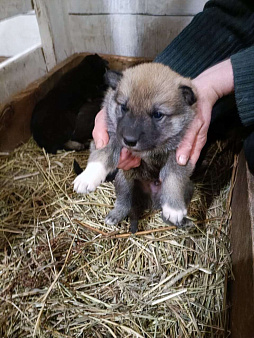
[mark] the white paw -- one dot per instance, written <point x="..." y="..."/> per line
<point x="90" y="178"/>
<point x="173" y="215"/>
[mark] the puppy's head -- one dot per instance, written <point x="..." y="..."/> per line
<point x="149" y="106"/>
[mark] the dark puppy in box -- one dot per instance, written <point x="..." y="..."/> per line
<point x="149" y="108"/>
<point x="64" y="118"/>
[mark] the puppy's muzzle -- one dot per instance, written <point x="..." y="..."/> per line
<point x="130" y="130"/>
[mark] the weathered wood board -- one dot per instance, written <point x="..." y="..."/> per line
<point x="129" y="35"/>
<point x="9" y="8"/>
<point x="131" y="28"/>
<point x="54" y="28"/>
<point x="145" y="7"/>
<point x="18" y="34"/>
<point x="19" y="71"/>
<point x="3" y="58"/>
<point x="242" y="246"/>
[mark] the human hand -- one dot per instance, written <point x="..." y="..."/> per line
<point x="101" y="138"/>
<point x="211" y="85"/>
<point x="196" y="135"/>
<point x="100" y="133"/>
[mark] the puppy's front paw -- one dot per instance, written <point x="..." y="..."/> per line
<point x="94" y="174"/>
<point x="173" y="215"/>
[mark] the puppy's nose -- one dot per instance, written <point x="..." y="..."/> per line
<point x="130" y="141"/>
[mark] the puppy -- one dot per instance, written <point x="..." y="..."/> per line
<point x="84" y="124"/>
<point x="57" y="120"/>
<point x="149" y="108"/>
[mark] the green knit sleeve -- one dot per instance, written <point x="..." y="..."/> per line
<point x="243" y="69"/>
<point x="221" y="30"/>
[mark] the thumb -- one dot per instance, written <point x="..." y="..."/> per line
<point x="100" y="134"/>
<point x="99" y="143"/>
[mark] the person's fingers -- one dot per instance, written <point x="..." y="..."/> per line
<point x="132" y="163"/>
<point x="185" y="148"/>
<point x="197" y="147"/>
<point x="127" y="160"/>
<point x="201" y="138"/>
<point x="100" y="134"/>
<point x="125" y="155"/>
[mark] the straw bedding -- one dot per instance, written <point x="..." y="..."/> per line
<point x="64" y="273"/>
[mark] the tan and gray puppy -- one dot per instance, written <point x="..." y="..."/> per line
<point x="148" y="110"/>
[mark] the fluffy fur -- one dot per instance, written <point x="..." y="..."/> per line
<point x="148" y="110"/>
<point x="64" y="118"/>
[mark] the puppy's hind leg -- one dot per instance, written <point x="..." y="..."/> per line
<point x="124" y="190"/>
<point x="177" y="191"/>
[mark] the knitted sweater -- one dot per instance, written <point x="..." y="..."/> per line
<point x="224" y="29"/>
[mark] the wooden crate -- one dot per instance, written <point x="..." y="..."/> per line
<point x="71" y="26"/>
<point x="15" y="129"/>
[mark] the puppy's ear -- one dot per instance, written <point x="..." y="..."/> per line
<point x="112" y="78"/>
<point x="188" y="95"/>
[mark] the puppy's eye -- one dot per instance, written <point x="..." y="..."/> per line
<point x="124" y="108"/>
<point x="157" y="115"/>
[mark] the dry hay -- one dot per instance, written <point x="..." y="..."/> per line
<point x="64" y="273"/>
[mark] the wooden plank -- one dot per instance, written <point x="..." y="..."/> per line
<point x="128" y="35"/>
<point x="15" y="40"/>
<point x="145" y="7"/>
<point x="19" y="71"/>
<point x="3" y="58"/>
<point x="10" y="8"/>
<point x="242" y="246"/>
<point x="53" y="23"/>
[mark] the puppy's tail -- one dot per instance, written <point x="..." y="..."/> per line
<point x="133" y="224"/>
<point x="77" y="169"/>
<point x="111" y="176"/>
<point x="135" y="214"/>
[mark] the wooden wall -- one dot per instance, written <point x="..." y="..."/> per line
<point x="130" y="27"/>
<point x="242" y="247"/>
<point x="9" y="8"/>
<point x="18" y="33"/>
<point x="118" y="27"/>
<point x="18" y="72"/>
